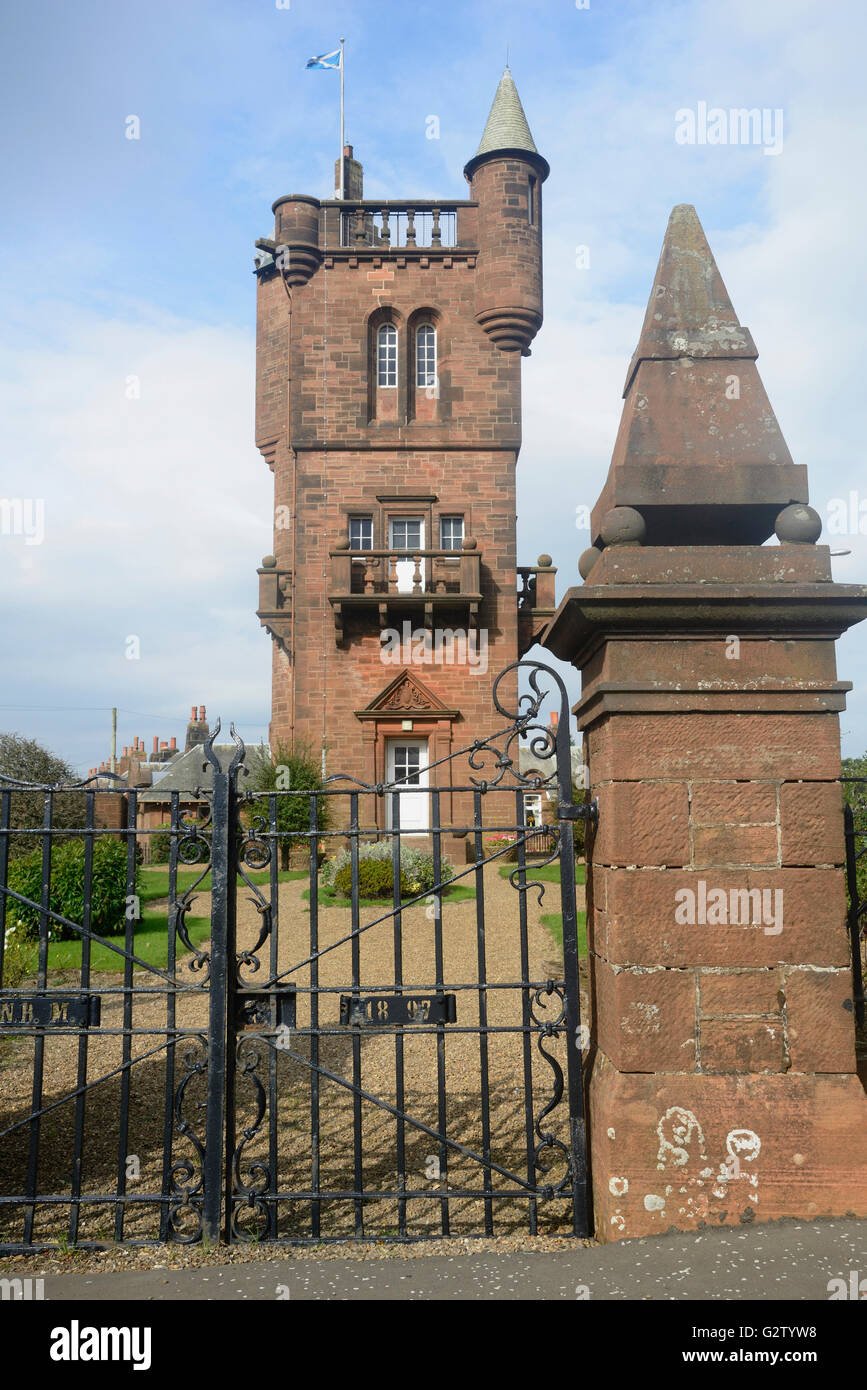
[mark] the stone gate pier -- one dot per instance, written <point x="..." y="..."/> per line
<point x="722" y="1085"/>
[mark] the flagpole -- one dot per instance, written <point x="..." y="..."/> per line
<point x="342" y="147"/>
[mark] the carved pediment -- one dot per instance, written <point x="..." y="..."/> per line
<point x="406" y="694"/>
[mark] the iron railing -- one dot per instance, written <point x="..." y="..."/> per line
<point x="286" y="1067"/>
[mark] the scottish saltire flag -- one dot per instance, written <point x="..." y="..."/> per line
<point x="325" y="60"/>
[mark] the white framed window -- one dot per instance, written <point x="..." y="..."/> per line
<point x="361" y="533"/>
<point x="386" y="355"/>
<point x="406" y="533"/>
<point x="532" y="810"/>
<point x="451" y="532"/>
<point x="426" y="355"/>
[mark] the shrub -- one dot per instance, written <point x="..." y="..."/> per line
<point x="18" y="959"/>
<point x="416" y="870"/>
<point x="108" y="888"/>
<point x="375" y="879"/>
<point x="293" y="772"/>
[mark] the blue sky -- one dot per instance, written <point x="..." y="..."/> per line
<point x="129" y="258"/>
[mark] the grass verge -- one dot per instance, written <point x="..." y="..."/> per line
<point x="546" y="873"/>
<point x="459" y="893"/>
<point x="150" y="944"/>
<point x="554" y="922"/>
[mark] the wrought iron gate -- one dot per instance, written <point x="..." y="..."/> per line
<point x="310" y="1064"/>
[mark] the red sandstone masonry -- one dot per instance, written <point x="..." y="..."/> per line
<point x="820" y="1011"/>
<point x="811" y="816"/>
<point x="642" y="824"/>
<point x="739" y="1045"/>
<point x="753" y="747"/>
<point x="339" y="444"/>
<point x="741" y="992"/>
<point x="814" y="918"/>
<point x="733" y="803"/>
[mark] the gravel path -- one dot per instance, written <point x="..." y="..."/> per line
<point x="285" y="1142"/>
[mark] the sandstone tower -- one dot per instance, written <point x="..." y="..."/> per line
<point x="388" y="406"/>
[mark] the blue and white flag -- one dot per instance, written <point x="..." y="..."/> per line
<point x="325" y="60"/>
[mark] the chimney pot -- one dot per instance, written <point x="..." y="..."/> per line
<point x="201" y="714"/>
<point x="174" y="743"/>
<point x="164" y="745"/>
<point x="193" y="715"/>
<point x="156" y="743"/>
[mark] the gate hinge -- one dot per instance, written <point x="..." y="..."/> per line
<point x="588" y="810"/>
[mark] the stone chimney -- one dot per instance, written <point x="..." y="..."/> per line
<point x="197" y="729"/>
<point x="353" y="176"/>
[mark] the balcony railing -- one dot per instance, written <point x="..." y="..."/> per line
<point x="387" y="226"/>
<point x="536" y="601"/>
<point x="407" y="573"/>
<point x="395" y="582"/>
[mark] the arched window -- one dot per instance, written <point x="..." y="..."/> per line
<point x="426" y="355"/>
<point x="386" y="355"/>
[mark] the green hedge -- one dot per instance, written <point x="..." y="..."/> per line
<point x="108" y="889"/>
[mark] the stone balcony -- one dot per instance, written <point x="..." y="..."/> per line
<point x="275" y="601"/>
<point x="537" y="602"/>
<point x="393" y="585"/>
<point x="400" y="584"/>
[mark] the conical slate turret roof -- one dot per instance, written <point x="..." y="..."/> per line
<point x="507" y="129"/>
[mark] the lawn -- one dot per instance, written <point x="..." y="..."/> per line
<point x="456" y="894"/>
<point x="554" y="922"/>
<point x="154" y="883"/>
<point x="150" y="936"/>
<point x="545" y="873"/>
<point x="150" y="944"/>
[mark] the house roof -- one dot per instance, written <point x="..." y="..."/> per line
<point x="191" y="771"/>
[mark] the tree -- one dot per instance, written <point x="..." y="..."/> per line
<point x="855" y="795"/>
<point x="25" y="760"/>
<point x="293" y="774"/>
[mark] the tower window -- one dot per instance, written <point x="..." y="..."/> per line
<point x="386" y="355"/>
<point x="451" y="532"/>
<point x="360" y="533"/>
<point x="531" y="201"/>
<point x="426" y="355"/>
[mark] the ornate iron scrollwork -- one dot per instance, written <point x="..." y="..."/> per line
<point x="187" y="1174"/>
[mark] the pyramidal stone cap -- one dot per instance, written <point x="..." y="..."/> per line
<point x="699" y="452"/>
<point x="507" y="130"/>
<point x="689" y="313"/>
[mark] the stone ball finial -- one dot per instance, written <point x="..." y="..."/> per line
<point x="587" y="560"/>
<point x="623" y="526"/>
<point x="469" y="543"/>
<point x="342" y="542"/>
<point x="544" y="561"/>
<point x="798" y="524"/>
<point x="269" y="562"/>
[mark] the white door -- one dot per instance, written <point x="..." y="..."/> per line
<point x="406" y="764"/>
<point x="406" y="533"/>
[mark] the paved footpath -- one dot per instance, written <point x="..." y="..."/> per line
<point x="789" y="1260"/>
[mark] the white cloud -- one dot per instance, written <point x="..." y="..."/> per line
<point x="157" y="512"/>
